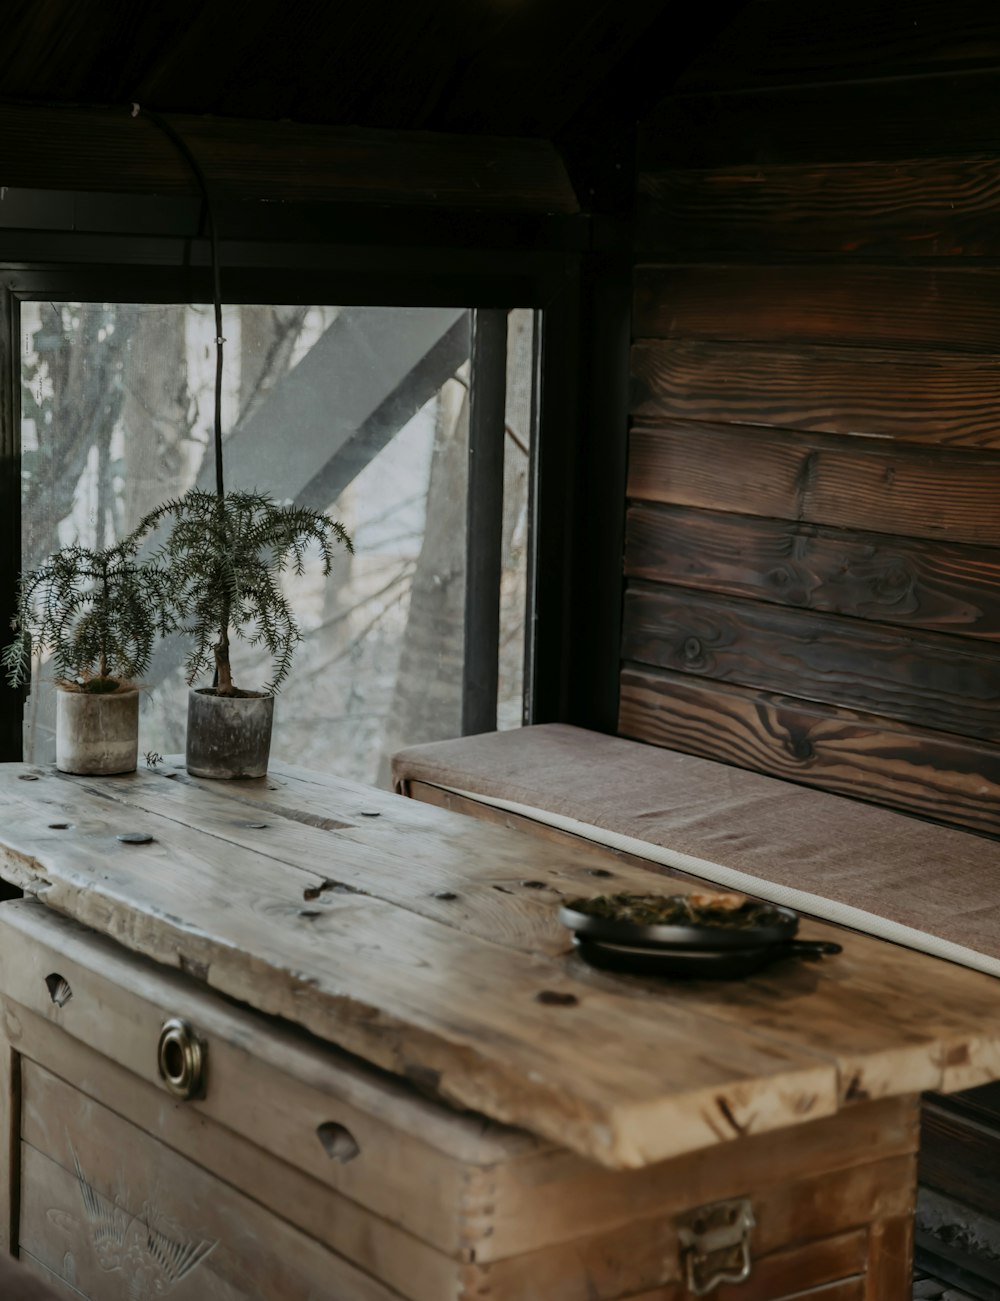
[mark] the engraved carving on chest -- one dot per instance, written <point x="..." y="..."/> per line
<point x="152" y="1250"/>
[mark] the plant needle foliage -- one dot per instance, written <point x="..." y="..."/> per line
<point x="97" y="612"/>
<point x="224" y="557"/>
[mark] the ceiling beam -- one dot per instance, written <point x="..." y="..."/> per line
<point x="108" y="150"/>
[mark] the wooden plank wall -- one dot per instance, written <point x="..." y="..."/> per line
<point x="813" y="530"/>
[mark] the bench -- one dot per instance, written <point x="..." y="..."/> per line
<point x="897" y="877"/>
<point x="894" y="876"/>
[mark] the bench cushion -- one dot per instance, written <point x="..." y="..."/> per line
<point x="930" y="887"/>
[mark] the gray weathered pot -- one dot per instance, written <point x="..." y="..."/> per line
<point x="97" y="734"/>
<point x="228" y="736"/>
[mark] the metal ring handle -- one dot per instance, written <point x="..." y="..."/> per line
<point x="181" y="1058"/>
<point x="699" y="1286"/>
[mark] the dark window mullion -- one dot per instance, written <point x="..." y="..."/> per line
<point x="487" y="400"/>
<point x="11" y="698"/>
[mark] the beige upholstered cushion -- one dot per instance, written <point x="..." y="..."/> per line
<point x="837" y="858"/>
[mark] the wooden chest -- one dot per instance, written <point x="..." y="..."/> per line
<point x="298" y="1172"/>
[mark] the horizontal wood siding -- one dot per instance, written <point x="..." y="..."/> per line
<point x="812" y="555"/>
<point x="930" y="774"/>
<point x="91" y="149"/>
<point x="942" y="309"/>
<point x="822" y="657"/>
<point x="951" y="398"/>
<point x="853" y="483"/>
<point x="895" y="580"/>
<point x="913" y="208"/>
<point x="959" y="1156"/>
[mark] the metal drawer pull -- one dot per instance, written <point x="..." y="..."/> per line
<point x="59" y="989"/>
<point x="338" y="1142"/>
<point x="715" y="1244"/>
<point x="181" y="1057"/>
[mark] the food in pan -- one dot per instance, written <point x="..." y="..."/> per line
<point x="703" y="908"/>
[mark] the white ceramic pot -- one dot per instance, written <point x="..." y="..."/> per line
<point x="228" y="736"/>
<point x="97" y="735"/>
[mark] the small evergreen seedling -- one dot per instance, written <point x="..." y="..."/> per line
<point x="225" y="556"/>
<point x="97" y="612"/>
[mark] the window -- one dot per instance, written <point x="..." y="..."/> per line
<point x="357" y="410"/>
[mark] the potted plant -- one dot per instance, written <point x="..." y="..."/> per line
<point x="224" y="556"/>
<point x="97" y="613"/>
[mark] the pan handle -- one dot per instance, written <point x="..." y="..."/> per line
<point x="813" y="948"/>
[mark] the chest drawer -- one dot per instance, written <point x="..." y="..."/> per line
<point x="119" y="1216"/>
<point x="333" y="1166"/>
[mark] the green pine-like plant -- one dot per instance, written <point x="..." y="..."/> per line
<point x="224" y="556"/>
<point x="98" y="613"/>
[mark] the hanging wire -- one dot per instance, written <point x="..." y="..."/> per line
<point x="180" y="144"/>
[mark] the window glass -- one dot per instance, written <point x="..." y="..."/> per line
<point x="518" y="439"/>
<point x="359" y="411"/>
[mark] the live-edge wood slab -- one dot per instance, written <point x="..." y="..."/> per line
<point x="429" y="944"/>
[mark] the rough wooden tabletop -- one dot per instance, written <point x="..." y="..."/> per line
<point x="429" y="944"/>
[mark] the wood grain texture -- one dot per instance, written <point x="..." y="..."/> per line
<point x="86" y="149"/>
<point x="246" y="933"/>
<point x="931" y="117"/>
<point x="126" y="1217"/>
<point x="816" y="1266"/>
<point x="641" y="1252"/>
<point x="374" y="1242"/>
<point x="777" y="41"/>
<point x="57" y="1287"/>
<point x="520" y="1204"/>
<point x="379" y="853"/>
<point x="10" y="1122"/>
<point x="541" y="1222"/>
<point x="459" y="1011"/>
<point x="928" y="679"/>
<point x="949" y="494"/>
<point x="933" y="775"/>
<point x="940" y="398"/>
<point x="890" y="1257"/>
<point x="980" y="1105"/>
<point x="910" y="208"/>
<point x="267" y="1086"/>
<point x="850" y="1289"/>
<point x="910" y="307"/>
<point x="645" y="1252"/>
<point x="408" y="1266"/>
<point x="960" y="1157"/>
<point x="915" y="584"/>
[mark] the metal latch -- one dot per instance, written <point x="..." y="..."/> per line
<point x="715" y="1244"/>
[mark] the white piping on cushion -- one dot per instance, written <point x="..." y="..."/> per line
<point x="830" y="910"/>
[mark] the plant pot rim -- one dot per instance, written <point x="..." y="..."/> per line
<point x="210" y="693"/>
<point x="123" y="689"/>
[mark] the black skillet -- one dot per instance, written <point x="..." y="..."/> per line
<point x="779" y="926"/>
<point x="697" y="964"/>
<point x="719" y="952"/>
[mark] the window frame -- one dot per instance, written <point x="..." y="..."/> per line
<point x="255" y="274"/>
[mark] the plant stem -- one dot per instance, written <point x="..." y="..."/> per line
<point x="223" y="670"/>
<point x="105" y="602"/>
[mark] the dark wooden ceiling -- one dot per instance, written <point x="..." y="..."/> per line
<point x="498" y="67"/>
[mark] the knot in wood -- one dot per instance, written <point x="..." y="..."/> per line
<point x="556" y="998"/>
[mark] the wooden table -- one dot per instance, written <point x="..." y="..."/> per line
<point x="427" y="946"/>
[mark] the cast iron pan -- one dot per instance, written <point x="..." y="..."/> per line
<point x="780" y="928"/>
<point x="697" y="964"/>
